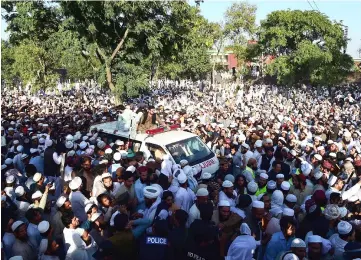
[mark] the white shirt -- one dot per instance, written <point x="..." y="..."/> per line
<point x="78" y="202"/>
<point x="338" y="244"/>
<point x="184" y="198"/>
<point x="67" y="173"/>
<point x="242" y="248"/>
<point x="350" y="192"/>
<point x="223" y="196"/>
<point x="57" y="158"/>
<point x="194" y="214"/>
<point x="77" y="249"/>
<point x="23" y="206"/>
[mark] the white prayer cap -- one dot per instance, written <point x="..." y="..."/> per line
<point x="88" y="207"/>
<point x="344" y="227"/>
<point x="347" y="134"/>
<point x="83" y="145"/>
<point x="43" y="226"/>
<point x="20" y="149"/>
<point x="297" y="242"/>
<point x="258" y="204"/>
<point x="41" y="140"/>
<point x="289" y="256"/>
<point x="19" y="191"/>
<point x="264" y="176"/>
<point x="285" y="185"/>
<point x="331" y="212"/>
<point x="32" y="150"/>
<point x="104" y="161"/>
<point x="60" y="202"/>
<point x="271" y="184"/>
<point x="269" y="141"/>
<point x="119" y="142"/>
<point x="70" y="153"/>
<point x="333" y="155"/>
<point x="320" y="148"/>
<point x="95" y="216"/>
<point x="10" y="179"/>
<point x="229" y="177"/>
<point x="48" y="142"/>
<point x="280" y="176"/>
<point x="16" y="224"/>
<point x="349" y="159"/>
<point x="85" y="138"/>
<point x="330" y="142"/>
<point x="24" y="156"/>
<point x="69" y="144"/>
<point x="117" y="156"/>
<point x="131" y="169"/>
<point x="16" y="142"/>
<point x="101" y="144"/>
<point x="36" y="195"/>
<point x="258" y="144"/>
<point x="318" y="157"/>
<point x="288" y="212"/>
<point x="151" y="192"/>
<point x="183" y="163"/>
<point x="245" y="230"/>
<point x="108" y="151"/>
<point x="224" y="203"/>
<point x="18" y="257"/>
<point x="343" y="211"/>
<point x="106" y="175"/>
<point x="75" y="183"/>
<point x="245" y="146"/>
<point x="293" y="152"/>
<point x="318" y="175"/>
<point x="34" y="137"/>
<point x="89" y="134"/>
<point x="206" y="176"/>
<point x="227" y="184"/>
<point x="37" y="176"/>
<point x="8" y="161"/>
<point x="202" y="192"/>
<point x="285" y="149"/>
<point x="182" y="178"/>
<point x="314" y="239"/>
<point x="252" y="186"/>
<point x="69" y="138"/>
<point x="332" y="180"/>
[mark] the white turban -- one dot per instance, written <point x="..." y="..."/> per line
<point x="151" y="192"/>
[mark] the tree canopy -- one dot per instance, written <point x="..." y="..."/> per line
<point x="122" y="44"/>
<point x="307" y="47"/>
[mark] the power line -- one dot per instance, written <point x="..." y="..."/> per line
<point x="316" y="5"/>
<point x="310" y="5"/>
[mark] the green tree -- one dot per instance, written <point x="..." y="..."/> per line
<point x="307" y="47"/>
<point x="239" y="27"/>
<point x="7" y="62"/>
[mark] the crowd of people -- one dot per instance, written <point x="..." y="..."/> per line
<point x="288" y="185"/>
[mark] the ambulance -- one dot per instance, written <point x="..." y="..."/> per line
<point x="178" y="144"/>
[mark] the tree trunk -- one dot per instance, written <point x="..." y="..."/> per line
<point x="109" y="78"/>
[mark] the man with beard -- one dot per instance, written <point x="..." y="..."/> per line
<point x="227" y="222"/>
<point x="258" y="151"/>
<point x="99" y="231"/>
<point x="228" y="193"/>
<point x="320" y="181"/>
<point x="22" y="246"/>
<point x="194" y="213"/>
<point x="139" y="186"/>
<point x="281" y="241"/>
<point x="308" y="152"/>
<point x="64" y="206"/>
<point x="255" y="220"/>
<point x="314" y="247"/>
<point x="347" y="142"/>
<point x="336" y="184"/>
<point x="262" y="184"/>
<point x="249" y="172"/>
<point x="247" y="154"/>
<point x="266" y="159"/>
<point x="300" y="189"/>
<point x="77" y="199"/>
<point x="124" y="190"/>
<point x="152" y="200"/>
<point x="276" y="169"/>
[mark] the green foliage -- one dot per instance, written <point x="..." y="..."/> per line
<point x="307" y="47"/>
<point x="239" y="27"/>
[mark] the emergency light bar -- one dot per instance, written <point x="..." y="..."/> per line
<point x="162" y="129"/>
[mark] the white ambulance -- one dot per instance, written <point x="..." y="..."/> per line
<point x="179" y="145"/>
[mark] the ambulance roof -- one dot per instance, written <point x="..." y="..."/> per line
<point x="163" y="138"/>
